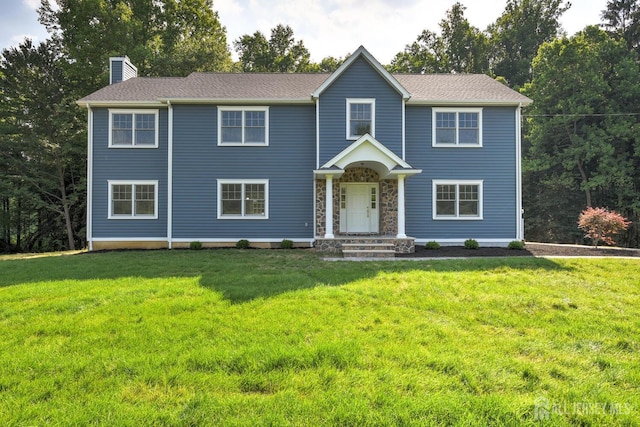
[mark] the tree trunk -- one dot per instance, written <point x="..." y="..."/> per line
<point x="71" y="244"/>
<point x="19" y="225"/>
<point x="585" y="181"/>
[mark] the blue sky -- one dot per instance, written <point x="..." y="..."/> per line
<point x="327" y="28"/>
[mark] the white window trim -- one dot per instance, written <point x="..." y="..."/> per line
<point x="111" y="183"/>
<point x="243" y="109"/>
<point x="457" y="183"/>
<point x="134" y="112"/>
<point x="265" y="182"/>
<point x="350" y="101"/>
<point x="434" y="111"/>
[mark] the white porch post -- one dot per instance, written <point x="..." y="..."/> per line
<point x="329" y="208"/>
<point x="401" y="214"/>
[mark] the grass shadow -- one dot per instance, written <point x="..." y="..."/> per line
<point x="240" y="275"/>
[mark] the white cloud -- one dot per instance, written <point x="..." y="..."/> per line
<point x="338" y="27"/>
<point x="19" y="38"/>
<point x="32" y="4"/>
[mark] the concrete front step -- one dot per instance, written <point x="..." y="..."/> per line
<point x="368" y="250"/>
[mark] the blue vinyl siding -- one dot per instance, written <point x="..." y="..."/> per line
<point x="117" y="71"/>
<point x="359" y="81"/>
<point x="288" y="162"/>
<point x="494" y="163"/>
<point x="127" y="164"/>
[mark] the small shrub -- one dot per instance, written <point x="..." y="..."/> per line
<point x="599" y="225"/>
<point x="286" y="244"/>
<point x="471" y="244"/>
<point x="516" y="245"/>
<point x="195" y="245"/>
<point x="432" y="245"/>
<point x="243" y="244"/>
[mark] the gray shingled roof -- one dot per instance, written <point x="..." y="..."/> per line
<point x="428" y="88"/>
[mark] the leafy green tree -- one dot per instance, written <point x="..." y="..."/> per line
<point x="41" y="145"/>
<point x="518" y="33"/>
<point x="622" y="19"/>
<point x="329" y="64"/>
<point x="461" y="48"/>
<point x="162" y="37"/>
<point x="465" y="45"/>
<point x="583" y="130"/>
<point x="281" y="53"/>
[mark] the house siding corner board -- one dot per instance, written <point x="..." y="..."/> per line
<point x="286" y="163"/>
<point x="127" y="165"/>
<point x="493" y="164"/>
<point x="359" y="81"/>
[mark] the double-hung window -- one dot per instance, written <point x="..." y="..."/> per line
<point x="133" y="128"/>
<point x="361" y="113"/>
<point x="243" y="199"/>
<point x="457" y="127"/>
<point x="457" y="199"/>
<point x="243" y="126"/>
<point x="133" y="199"/>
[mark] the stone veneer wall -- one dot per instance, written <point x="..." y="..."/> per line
<point x="388" y="200"/>
<point x="402" y="246"/>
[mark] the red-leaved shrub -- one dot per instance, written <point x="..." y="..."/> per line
<point x="600" y="224"/>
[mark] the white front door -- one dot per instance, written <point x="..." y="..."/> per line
<point x="359" y="208"/>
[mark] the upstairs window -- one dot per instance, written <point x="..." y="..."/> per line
<point x="460" y="127"/>
<point x="361" y="115"/>
<point x="457" y="199"/>
<point x="243" y="199"/>
<point x="133" y="128"/>
<point x="133" y="199"/>
<point x="243" y="126"/>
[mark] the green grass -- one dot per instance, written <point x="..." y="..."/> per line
<point x="251" y="337"/>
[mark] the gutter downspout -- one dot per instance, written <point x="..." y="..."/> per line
<point x="170" y="176"/>
<point x="519" y="211"/>
<point x="90" y="177"/>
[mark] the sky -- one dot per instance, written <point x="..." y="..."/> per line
<point x="326" y="27"/>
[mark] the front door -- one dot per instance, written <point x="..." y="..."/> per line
<point x="359" y="208"/>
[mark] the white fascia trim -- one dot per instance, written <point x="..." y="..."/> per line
<point x="243" y="182"/>
<point x="235" y="239"/>
<point x="372" y="102"/>
<point x="457" y="183"/>
<point x="111" y="183"/>
<point x="238" y="101"/>
<point x="90" y="177"/>
<point x="265" y="109"/>
<point x="466" y="102"/>
<point x="374" y="63"/>
<point x="133" y="112"/>
<point x="460" y="242"/>
<point x="170" y="174"/>
<point x="436" y="110"/>
<point x="121" y="104"/>
<point x="130" y="239"/>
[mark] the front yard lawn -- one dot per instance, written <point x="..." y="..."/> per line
<point x="275" y="337"/>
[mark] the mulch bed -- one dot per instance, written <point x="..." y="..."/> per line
<point x="531" y="249"/>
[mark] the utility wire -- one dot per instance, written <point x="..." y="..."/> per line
<point x="581" y="115"/>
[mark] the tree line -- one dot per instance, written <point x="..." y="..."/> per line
<point x="581" y="142"/>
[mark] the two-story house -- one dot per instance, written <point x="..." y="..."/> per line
<point x="318" y="159"/>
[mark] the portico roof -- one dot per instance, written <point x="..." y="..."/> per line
<point x="367" y="151"/>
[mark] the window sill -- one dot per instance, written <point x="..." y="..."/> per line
<point x="138" y="217"/>
<point x="457" y="218"/>
<point x="133" y="146"/>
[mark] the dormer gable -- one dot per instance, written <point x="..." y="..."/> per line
<point x="361" y="52"/>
